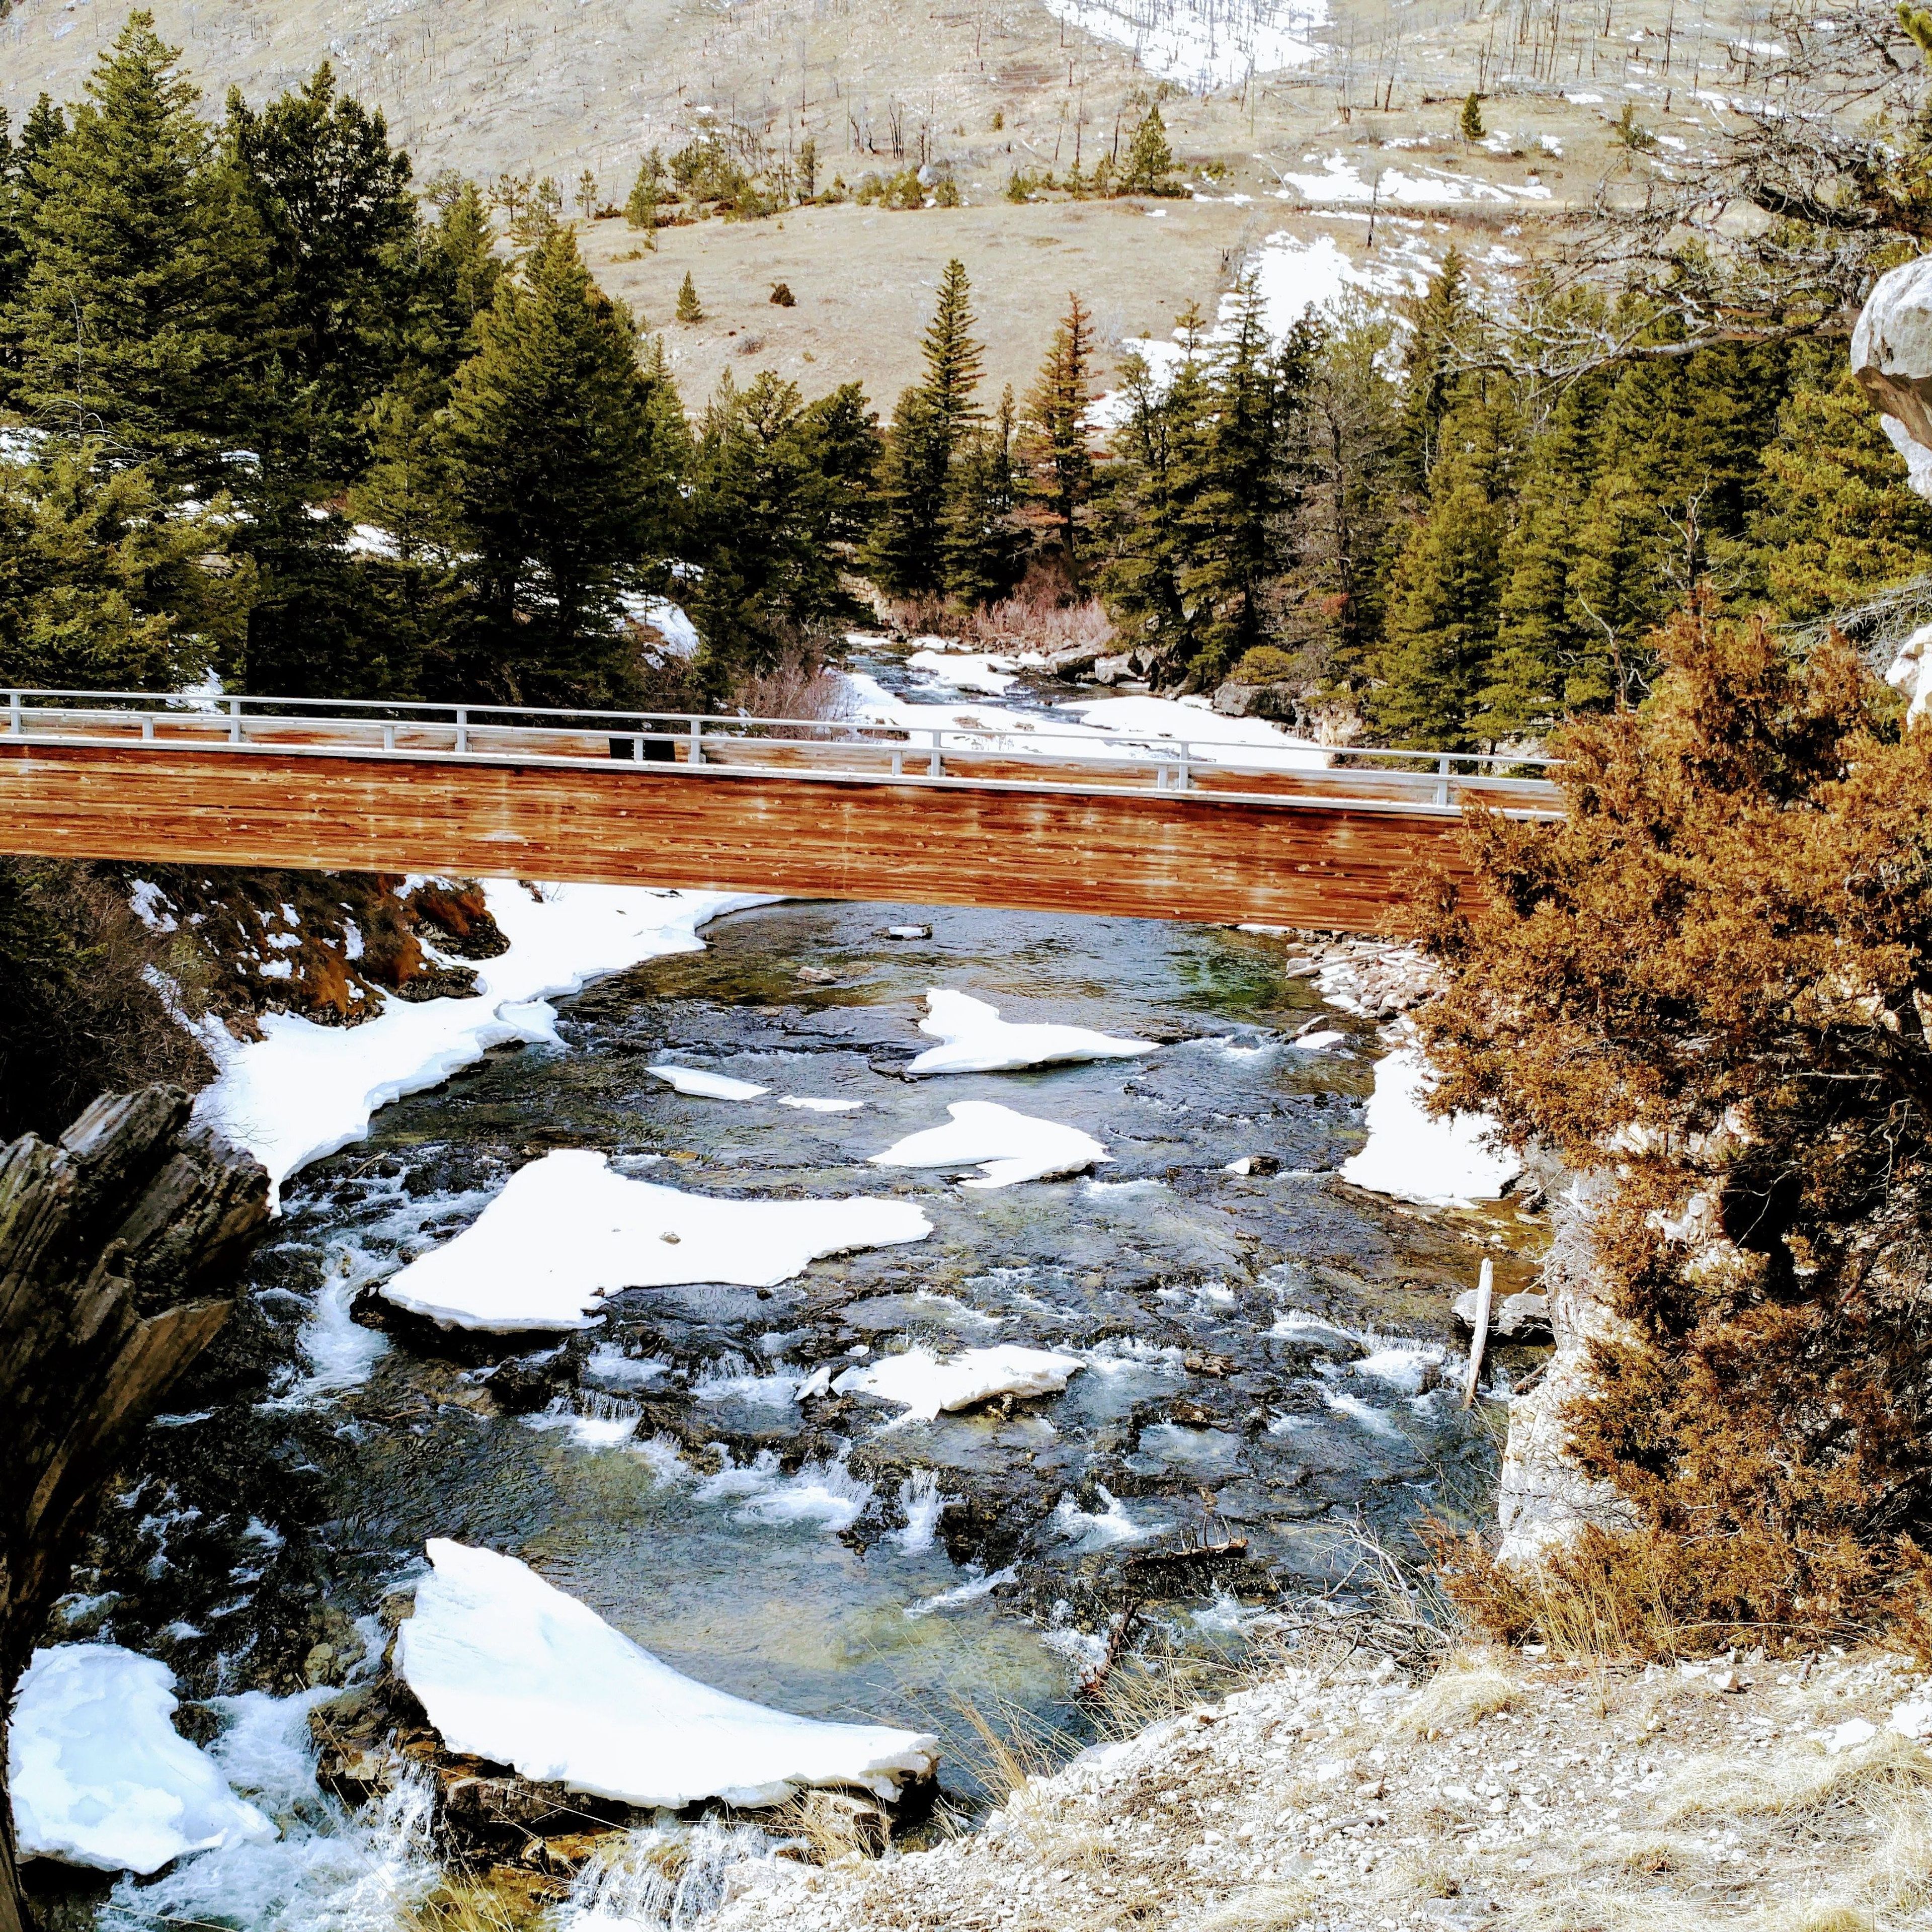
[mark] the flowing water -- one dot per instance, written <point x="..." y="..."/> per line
<point x="1273" y="1341"/>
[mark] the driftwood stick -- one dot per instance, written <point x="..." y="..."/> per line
<point x="1485" y="1289"/>
<point x="118" y="1246"/>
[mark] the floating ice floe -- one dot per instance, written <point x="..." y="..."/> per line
<point x="976" y="1040"/>
<point x="814" y="1105"/>
<point x="514" y="1270"/>
<point x="101" y="1777"/>
<point x="303" y="1090"/>
<point x="700" y="1085"/>
<point x="926" y="1385"/>
<point x="509" y="1668"/>
<point x="1007" y="1147"/>
<point x="1414" y="1156"/>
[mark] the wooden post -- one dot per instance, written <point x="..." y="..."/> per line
<point x="1486" y="1288"/>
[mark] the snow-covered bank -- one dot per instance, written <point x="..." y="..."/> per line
<point x="1203" y="44"/>
<point x="510" y="1669"/>
<point x="303" y="1090"/>
<point x="100" y="1778"/>
<point x="509" y="1271"/>
<point x="1415" y="1156"/>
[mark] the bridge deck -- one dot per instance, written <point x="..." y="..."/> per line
<point x="1134" y="826"/>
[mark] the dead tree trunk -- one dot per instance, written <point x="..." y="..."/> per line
<point x="117" y="1246"/>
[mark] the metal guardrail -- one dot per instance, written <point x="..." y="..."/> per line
<point x="1396" y="778"/>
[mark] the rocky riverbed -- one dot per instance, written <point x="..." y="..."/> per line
<point x="1255" y="1355"/>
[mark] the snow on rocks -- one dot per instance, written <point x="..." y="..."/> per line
<point x="975" y="1039"/>
<point x="1246" y="741"/>
<point x="303" y="1090"/>
<point x="1007" y="1147"/>
<point x="510" y="1669"/>
<point x="964" y="670"/>
<point x="926" y="1386"/>
<point x="696" y="1083"/>
<point x="1414" y="1156"/>
<point x="101" y="1777"/>
<point x="509" y="1271"/>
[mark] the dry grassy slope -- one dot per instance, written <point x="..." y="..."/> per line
<point x="554" y="86"/>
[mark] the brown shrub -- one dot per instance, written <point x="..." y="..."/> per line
<point x="1715" y="977"/>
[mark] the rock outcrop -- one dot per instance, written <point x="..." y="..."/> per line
<point x="117" y="1245"/>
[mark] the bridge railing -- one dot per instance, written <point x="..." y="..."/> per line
<point x="963" y="750"/>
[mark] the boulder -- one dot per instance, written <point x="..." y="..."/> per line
<point x="1517" y="1318"/>
<point x="1892" y="356"/>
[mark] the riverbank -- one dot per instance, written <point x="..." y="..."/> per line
<point x="1332" y="1794"/>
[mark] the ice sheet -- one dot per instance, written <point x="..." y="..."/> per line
<point x="1006" y="1146"/>
<point x="926" y="1385"/>
<point x="510" y="1271"/>
<point x="510" y="1669"/>
<point x="101" y="1777"/>
<point x="1415" y="1156"/>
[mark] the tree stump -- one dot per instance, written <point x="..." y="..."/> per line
<point x="118" y="1246"/>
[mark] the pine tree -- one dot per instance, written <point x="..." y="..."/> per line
<point x="586" y="194"/>
<point x="1838" y="521"/>
<point x="770" y="503"/>
<point x="333" y="197"/>
<point x="459" y="271"/>
<point x="1056" y="440"/>
<point x="983" y="542"/>
<point x="808" y="168"/>
<point x="1442" y="322"/>
<point x="647" y="193"/>
<point x="562" y="472"/>
<point x="689" y="308"/>
<point x="105" y="585"/>
<point x="147" y="263"/>
<point x="1150" y="160"/>
<point x="930" y="425"/>
<point x="1447" y="589"/>
<point x="1470" y="121"/>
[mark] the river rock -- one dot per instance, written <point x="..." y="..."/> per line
<point x="1516" y="1318"/>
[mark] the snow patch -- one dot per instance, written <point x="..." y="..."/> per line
<point x="1007" y="1147"/>
<point x="509" y="1271"/>
<point x="1413" y="1156"/>
<point x="510" y="1669"/>
<point x="975" y="1039"/>
<point x="1203" y="44"/>
<point x="695" y="1082"/>
<point x="924" y="1385"/>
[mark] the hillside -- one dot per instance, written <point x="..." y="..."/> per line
<point x="1370" y="96"/>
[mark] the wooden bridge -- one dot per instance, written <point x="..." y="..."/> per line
<point x="1058" y="818"/>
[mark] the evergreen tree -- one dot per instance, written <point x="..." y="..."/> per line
<point x="147" y="264"/>
<point x="930" y="424"/>
<point x="808" y="168"/>
<point x="983" y="542"/>
<point x="458" y="270"/>
<point x="647" y="192"/>
<point x="1345" y="527"/>
<point x="1469" y="123"/>
<point x="1150" y="161"/>
<point x="1447" y="589"/>
<point x="564" y="469"/>
<point x="586" y="194"/>
<point x="333" y="197"/>
<point x="1838" y="521"/>
<point x="1236" y="507"/>
<point x="1442" y="322"/>
<point x="689" y="308"/>
<point x="104" y="584"/>
<point x="1056" y="441"/>
<point x="770" y="504"/>
<point x="1156" y="470"/>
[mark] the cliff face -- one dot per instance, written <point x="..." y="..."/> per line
<point x="118" y="1243"/>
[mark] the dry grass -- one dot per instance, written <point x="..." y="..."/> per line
<point x="1469" y="1689"/>
<point x="800" y="685"/>
<point x="1801" y="1782"/>
<point x="1273" y="1908"/>
<point x="461" y="1904"/>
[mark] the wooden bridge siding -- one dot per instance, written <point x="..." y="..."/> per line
<point x="1140" y="855"/>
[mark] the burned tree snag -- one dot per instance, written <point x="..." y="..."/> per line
<point x="117" y="1245"/>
